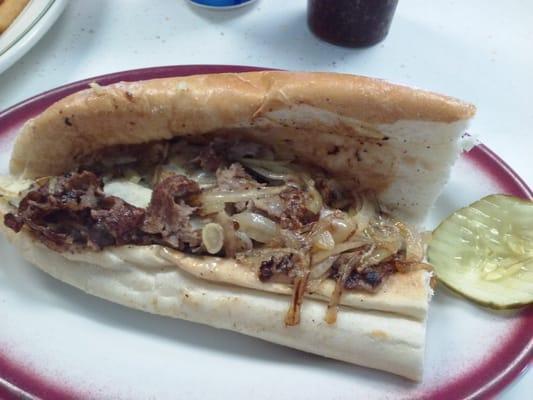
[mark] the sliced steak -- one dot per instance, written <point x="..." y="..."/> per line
<point x="276" y="267"/>
<point x="235" y="177"/>
<point x="369" y="279"/>
<point x="169" y="215"/>
<point x="288" y="208"/>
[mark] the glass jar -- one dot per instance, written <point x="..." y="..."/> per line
<point x="352" y="23"/>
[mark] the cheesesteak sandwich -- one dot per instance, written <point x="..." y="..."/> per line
<point x="280" y="205"/>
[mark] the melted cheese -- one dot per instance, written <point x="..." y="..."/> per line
<point x="130" y="192"/>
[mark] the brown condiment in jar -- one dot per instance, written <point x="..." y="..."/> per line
<point x="353" y="23"/>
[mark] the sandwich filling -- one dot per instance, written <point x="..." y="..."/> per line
<point x="290" y="222"/>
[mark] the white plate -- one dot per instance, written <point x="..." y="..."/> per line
<point x="26" y="30"/>
<point x="57" y="342"/>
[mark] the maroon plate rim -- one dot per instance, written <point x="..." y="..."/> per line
<point x="483" y="381"/>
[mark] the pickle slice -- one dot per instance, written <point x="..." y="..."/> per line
<point x="485" y="251"/>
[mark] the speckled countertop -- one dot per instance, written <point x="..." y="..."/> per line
<point x="480" y="51"/>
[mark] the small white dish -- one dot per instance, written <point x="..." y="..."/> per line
<point x="26" y="30"/>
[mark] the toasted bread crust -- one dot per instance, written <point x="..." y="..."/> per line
<point x="138" y="112"/>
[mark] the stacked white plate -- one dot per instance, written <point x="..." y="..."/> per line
<point x="26" y="30"/>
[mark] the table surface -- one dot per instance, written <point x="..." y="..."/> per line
<point x="479" y="51"/>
